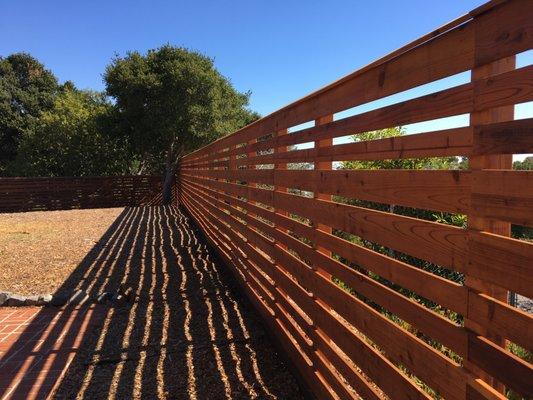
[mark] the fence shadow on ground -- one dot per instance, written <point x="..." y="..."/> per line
<point x="184" y="333"/>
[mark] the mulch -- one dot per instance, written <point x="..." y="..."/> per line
<point x="40" y="250"/>
<point x="186" y="333"/>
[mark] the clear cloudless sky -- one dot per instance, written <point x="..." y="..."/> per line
<point x="280" y="50"/>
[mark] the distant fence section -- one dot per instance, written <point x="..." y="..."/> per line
<point x="63" y="193"/>
<point x="366" y="300"/>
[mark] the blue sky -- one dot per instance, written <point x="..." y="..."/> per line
<point x="280" y="50"/>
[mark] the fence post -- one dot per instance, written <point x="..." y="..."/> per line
<point x="250" y="154"/>
<point x="280" y="166"/>
<point x="476" y="223"/>
<point x="323" y="165"/>
<point x="177" y="184"/>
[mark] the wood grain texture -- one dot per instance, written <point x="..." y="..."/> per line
<point x="346" y="311"/>
<point x="64" y="193"/>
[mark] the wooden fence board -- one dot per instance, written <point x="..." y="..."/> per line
<point x="63" y="193"/>
<point x="285" y="245"/>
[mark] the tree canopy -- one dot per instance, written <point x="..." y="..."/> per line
<point x="525" y="164"/>
<point x="26" y="90"/>
<point x="171" y="101"/>
<point x="71" y="139"/>
<point x="156" y="107"/>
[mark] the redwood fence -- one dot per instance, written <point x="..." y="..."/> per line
<point x="63" y="193"/>
<point x="355" y="317"/>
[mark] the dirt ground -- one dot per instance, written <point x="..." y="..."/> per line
<point x="186" y="333"/>
<point x="39" y="250"/>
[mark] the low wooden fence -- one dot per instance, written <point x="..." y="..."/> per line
<point x="408" y="307"/>
<point x="63" y="193"/>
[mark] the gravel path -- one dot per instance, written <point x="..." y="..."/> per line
<point x="186" y="334"/>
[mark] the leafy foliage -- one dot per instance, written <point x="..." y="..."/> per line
<point x="407" y="163"/>
<point x="172" y="101"/>
<point x="69" y="139"/>
<point x="26" y="90"/>
<point x="525" y="165"/>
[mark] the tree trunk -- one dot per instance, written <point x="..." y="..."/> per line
<point x="173" y="155"/>
<point x="168" y="180"/>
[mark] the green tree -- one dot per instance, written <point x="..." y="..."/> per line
<point x="171" y="101"/>
<point x="70" y="139"/>
<point x="526" y="164"/>
<point x="26" y="90"/>
<point x="405" y="163"/>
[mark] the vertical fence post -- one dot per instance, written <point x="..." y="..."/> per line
<point x="177" y="184"/>
<point x="280" y="166"/>
<point x="250" y="154"/>
<point x="323" y="165"/>
<point x="476" y="223"/>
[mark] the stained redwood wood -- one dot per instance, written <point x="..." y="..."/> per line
<point x="504" y="89"/>
<point x="448" y="142"/>
<point x="63" y="193"/>
<point x="496" y="91"/>
<point x="506" y="367"/>
<point x="501" y="261"/>
<point x="482" y="79"/>
<point x="323" y="166"/>
<point x="434" y="190"/>
<point x="447" y="293"/>
<point x="502" y="319"/>
<point x="442" y="244"/>
<point x="393" y="381"/>
<point x="433" y="242"/>
<point x="292" y="281"/>
<point x="503" y="31"/>
<point x="327" y="289"/>
<point x="503" y="195"/>
<point x="428" y="322"/>
<point x="511" y="137"/>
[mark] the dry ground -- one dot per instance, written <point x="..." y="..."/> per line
<point x="39" y="250"/>
<point x="186" y="334"/>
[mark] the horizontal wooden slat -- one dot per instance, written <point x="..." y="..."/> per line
<point x="432" y="324"/>
<point x="505" y="89"/>
<point x="448" y="142"/>
<point x="503" y="195"/>
<point x="453" y="101"/>
<point x="505" y="367"/>
<point x="32" y="194"/>
<point x="287" y="265"/>
<point x="501" y="319"/>
<point x="434" y="190"/>
<point x="505" y="30"/>
<point x="502" y="261"/>
<point x="448" y="294"/>
<point x="322" y="315"/>
<point x="287" y="260"/>
<point x="438" y="243"/>
<point x="512" y="137"/>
